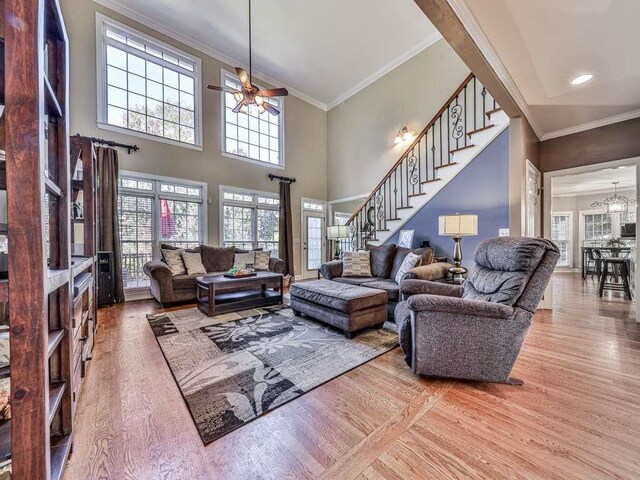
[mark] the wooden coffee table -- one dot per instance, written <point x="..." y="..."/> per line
<point x="219" y="294"/>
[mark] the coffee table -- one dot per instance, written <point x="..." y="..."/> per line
<point x="219" y="294"/>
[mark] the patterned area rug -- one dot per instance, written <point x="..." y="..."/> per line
<point x="235" y="367"/>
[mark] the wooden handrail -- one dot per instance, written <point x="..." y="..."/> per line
<point x="414" y="143"/>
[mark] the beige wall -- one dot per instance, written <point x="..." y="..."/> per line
<point x="305" y="129"/>
<point x="362" y="128"/>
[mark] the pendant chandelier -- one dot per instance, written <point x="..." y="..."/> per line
<point x="616" y="203"/>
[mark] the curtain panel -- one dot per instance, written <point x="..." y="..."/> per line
<point x="109" y="234"/>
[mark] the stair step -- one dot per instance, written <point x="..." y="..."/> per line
<point x="392" y="219"/>
<point x="446" y="165"/>
<point x="404" y="208"/>
<point x="382" y="230"/>
<point x="417" y="194"/>
<point x="491" y="112"/>
<point x="461" y="148"/>
<point x="478" y="130"/>
<point x="431" y="181"/>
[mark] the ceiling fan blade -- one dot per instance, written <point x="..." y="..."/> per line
<point x="237" y="108"/>
<point x="222" y="89"/>
<point x="244" y="77"/>
<point x="270" y="108"/>
<point x="274" y="92"/>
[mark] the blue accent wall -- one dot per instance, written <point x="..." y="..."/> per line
<point x="482" y="187"/>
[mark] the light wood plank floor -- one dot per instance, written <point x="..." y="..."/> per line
<point x="577" y="416"/>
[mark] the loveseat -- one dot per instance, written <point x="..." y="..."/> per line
<point x="168" y="288"/>
<point x="385" y="262"/>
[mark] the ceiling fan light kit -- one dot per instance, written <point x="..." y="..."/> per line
<point x="250" y="94"/>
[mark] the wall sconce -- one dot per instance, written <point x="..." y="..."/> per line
<point x="403" y="134"/>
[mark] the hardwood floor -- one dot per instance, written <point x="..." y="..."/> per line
<point x="577" y="416"/>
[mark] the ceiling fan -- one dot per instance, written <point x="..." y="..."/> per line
<point x="250" y="94"/>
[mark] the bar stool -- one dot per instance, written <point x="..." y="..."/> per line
<point x="594" y="263"/>
<point x="618" y="265"/>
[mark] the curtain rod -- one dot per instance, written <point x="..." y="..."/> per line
<point x="111" y="143"/>
<point x="284" y="179"/>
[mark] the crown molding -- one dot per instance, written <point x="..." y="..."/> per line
<point x="590" y="125"/>
<point x="470" y="23"/>
<point x="118" y="7"/>
<point x="596" y="191"/>
<point x="408" y="55"/>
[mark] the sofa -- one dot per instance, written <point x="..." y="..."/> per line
<point x="475" y="331"/>
<point x="167" y="288"/>
<point x="385" y="262"/>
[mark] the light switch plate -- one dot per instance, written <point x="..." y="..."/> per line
<point x="503" y="232"/>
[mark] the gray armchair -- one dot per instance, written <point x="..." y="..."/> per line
<point x="475" y="331"/>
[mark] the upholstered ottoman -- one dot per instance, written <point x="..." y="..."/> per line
<point x="347" y="307"/>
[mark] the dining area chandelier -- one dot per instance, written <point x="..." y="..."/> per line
<point x="615" y="203"/>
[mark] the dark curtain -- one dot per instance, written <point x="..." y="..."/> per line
<point x="109" y="230"/>
<point x="286" y="227"/>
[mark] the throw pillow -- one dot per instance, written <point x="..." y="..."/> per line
<point x="356" y="264"/>
<point x="193" y="263"/>
<point x="173" y="258"/>
<point x="217" y="259"/>
<point x="410" y="261"/>
<point x="382" y="260"/>
<point x="262" y="260"/>
<point x="241" y="259"/>
<point x="166" y="246"/>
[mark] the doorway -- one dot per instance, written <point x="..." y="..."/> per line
<point x="313" y="237"/>
<point x="590" y="213"/>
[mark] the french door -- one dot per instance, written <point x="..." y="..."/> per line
<point x="313" y="243"/>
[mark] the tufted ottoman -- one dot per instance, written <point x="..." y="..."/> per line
<point x="347" y="307"/>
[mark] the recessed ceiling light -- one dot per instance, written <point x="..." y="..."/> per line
<point x="580" y="79"/>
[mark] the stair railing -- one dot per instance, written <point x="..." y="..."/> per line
<point x="466" y="112"/>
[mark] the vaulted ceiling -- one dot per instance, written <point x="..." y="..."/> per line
<point x="544" y="44"/>
<point x="323" y="51"/>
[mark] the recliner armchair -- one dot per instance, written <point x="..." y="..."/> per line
<point x="475" y="331"/>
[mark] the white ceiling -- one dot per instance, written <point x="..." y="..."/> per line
<point x="544" y="44"/>
<point x="322" y="51"/>
<point x="599" y="181"/>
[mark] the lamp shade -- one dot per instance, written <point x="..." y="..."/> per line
<point x="336" y="232"/>
<point x="458" y="225"/>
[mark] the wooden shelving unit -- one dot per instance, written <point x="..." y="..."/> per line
<point x="37" y="174"/>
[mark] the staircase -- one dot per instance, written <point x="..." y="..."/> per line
<point x="462" y="128"/>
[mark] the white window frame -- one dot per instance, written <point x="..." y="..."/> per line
<point x="244" y="191"/>
<point x="582" y="213"/>
<point x="223" y="122"/>
<point x="102" y="22"/>
<point x="570" y="254"/>
<point x="157" y="195"/>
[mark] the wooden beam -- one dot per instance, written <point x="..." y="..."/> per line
<point x="449" y="25"/>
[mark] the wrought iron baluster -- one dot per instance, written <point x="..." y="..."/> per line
<point x="433" y="152"/>
<point x="448" y="132"/>
<point x="475" y="114"/>
<point x="440" y="143"/>
<point x="464" y="115"/>
<point x="484" y="106"/>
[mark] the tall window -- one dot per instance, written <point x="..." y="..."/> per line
<point x="251" y="135"/>
<point x="561" y="232"/>
<point x="152" y="211"/>
<point x="250" y="219"/>
<point x="597" y="226"/>
<point x="146" y="86"/>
